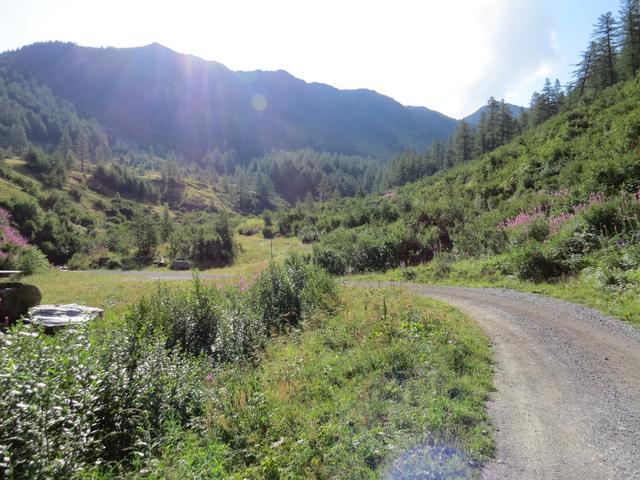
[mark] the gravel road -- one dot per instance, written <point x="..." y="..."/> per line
<point x="567" y="380"/>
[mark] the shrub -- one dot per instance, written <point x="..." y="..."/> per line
<point x="70" y="403"/>
<point x="604" y="218"/>
<point x="267" y="232"/>
<point x="205" y="241"/>
<point x="248" y="230"/>
<point x="31" y="260"/>
<point x="308" y="234"/>
<point x="285" y="295"/>
<point x="535" y="264"/>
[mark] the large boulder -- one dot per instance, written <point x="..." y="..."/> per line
<point x="15" y="301"/>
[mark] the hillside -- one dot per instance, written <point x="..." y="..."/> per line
<point x="560" y="200"/>
<point x="153" y="97"/>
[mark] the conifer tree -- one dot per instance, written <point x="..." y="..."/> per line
<point x="585" y="73"/>
<point x="65" y="148"/>
<point x="604" y="36"/>
<point x="82" y="148"/>
<point x="463" y="142"/>
<point x="629" y="38"/>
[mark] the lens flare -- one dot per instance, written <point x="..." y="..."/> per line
<point x="259" y="102"/>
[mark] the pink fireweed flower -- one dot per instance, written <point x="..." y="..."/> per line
<point x="13" y="237"/>
<point x="556" y="221"/>
<point x="523" y="218"/>
<point x="242" y="285"/>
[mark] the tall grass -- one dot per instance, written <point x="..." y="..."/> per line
<point x="108" y="398"/>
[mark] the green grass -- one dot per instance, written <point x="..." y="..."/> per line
<point x="622" y="302"/>
<point x="255" y="253"/>
<point x="113" y="291"/>
<point x="347" y="396"/>
<point x="103" y="289"/>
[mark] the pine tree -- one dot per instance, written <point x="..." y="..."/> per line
<point x="463" y="142"/>
<point x="559" y="96"/>
<point x="507" y="123"/>
<point x="17" y="138"/>
<point x="65" y="148"/>
<point x="82" y="148"/>
<point x="584" y="75"/>
<point x="481" y="133"/>
<point x="522" y="123"/>
<point x="629" y="38"/>
<point x="604" y="36"/>
<point x="166" y="225"/>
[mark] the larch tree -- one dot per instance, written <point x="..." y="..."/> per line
<point x="604" y="36"/>
<point x="629" y="38"/>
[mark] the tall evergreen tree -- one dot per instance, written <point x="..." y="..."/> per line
<point x="604" y="35"/>
<point x="584" y="75"/>
<point x="17" y="138"/>
<point x="82" y="148"/>
<point x="65" y="148"/>
<point x="629" y="38"/>
<point x="463" y="142"/>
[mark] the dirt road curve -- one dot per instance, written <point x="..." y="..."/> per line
<point x="567" y="399"/>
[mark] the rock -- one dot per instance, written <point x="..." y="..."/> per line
<point x="181" y="265"/>
<point x="15" y="301"/>
<point x="56" y="316"/>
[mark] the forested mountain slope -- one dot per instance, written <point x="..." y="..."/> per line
<point x="154" y="97"/>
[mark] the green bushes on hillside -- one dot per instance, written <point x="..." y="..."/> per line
<point x="553" y="195"/>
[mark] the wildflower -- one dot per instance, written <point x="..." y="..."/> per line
<point x="523" y="218"/>
<point x="13" y="237"/>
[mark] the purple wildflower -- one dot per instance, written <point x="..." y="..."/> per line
<point x="13" y="237"/>
<point x="523" y="218"/>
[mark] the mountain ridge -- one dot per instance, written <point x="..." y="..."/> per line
<point x="156" y="97"/>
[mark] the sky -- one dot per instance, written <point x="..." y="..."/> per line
<point x="448" y="55"/>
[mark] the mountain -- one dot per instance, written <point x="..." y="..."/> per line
<point x="474" y="118"/>
<point x="154" y="97"/>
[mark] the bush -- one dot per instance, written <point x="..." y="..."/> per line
<point x="267" y="232"/>
<point x="201" y="321"/>
<point x="248" y="230"/>
<point x="308" y="234"/>
<point x="374" y="248"/>
<point x="283" y="296"/>
<point x="604" y="219"/>
<point x="533" y="263"/>
<point x="31" y="260"/>
<point x="208" y="242"/>
<point x="70" y="404"/>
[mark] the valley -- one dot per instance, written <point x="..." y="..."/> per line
<point x="305" y="281"/>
